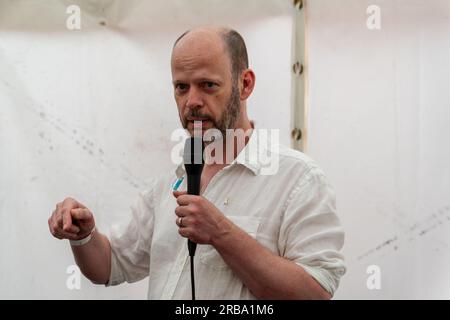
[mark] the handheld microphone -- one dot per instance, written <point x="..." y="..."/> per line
<point x="193" y="163"/>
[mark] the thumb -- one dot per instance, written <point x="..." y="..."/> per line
<point x="81" y="213"/>
<point x="176" y="194"/>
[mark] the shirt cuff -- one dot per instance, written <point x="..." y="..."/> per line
<point x="116" y="276"/>
<point x="327" y="279"/>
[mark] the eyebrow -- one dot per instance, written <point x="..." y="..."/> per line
<point x="203" y="79"/>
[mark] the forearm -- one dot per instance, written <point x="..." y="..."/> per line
<point x="94" y="258"/>
<point x="267" y="275"/>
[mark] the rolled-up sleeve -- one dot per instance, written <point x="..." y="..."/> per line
<point x="311" y="234"/>
<point x="131" y="243"/>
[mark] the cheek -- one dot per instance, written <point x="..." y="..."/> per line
<point x="180" y="105"/>
<point x="217" y="103"/>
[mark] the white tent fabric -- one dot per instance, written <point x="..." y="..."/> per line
<point x="378" y="121"/>
<point x="88" y="113"/>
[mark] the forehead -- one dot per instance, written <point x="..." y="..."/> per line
<point x="200" y="57"/>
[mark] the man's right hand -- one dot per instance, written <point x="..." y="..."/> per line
<point x="71" y="220"/>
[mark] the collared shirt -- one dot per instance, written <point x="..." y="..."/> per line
<point x="290" y="210"/>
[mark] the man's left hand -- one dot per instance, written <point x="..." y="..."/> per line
<point x="198" y="219"/>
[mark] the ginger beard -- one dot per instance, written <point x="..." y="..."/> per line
<point x="227" y="120"/>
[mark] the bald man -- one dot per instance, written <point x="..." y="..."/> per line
<point x="263" y="236"/>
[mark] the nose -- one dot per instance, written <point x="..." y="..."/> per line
<point x="194" y="100"/>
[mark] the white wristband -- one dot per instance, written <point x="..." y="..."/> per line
<point x="77" y="243"/>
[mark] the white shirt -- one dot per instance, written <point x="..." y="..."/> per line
<point x="292" y="213"/>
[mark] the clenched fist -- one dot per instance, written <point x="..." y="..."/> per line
<point x="71" y="220"/>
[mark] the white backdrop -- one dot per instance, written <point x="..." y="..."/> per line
<point x="378" y="118"/>
<point x="88" y="113"/>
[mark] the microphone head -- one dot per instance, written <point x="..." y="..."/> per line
<point x="193" y="155"/>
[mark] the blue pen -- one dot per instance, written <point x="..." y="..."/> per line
<point x="177" y="183"/>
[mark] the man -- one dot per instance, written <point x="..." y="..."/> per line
<point x="265" y="236"/>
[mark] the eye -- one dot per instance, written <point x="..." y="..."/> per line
<point x="181" y="86"/>
<point x="209" y="84"/>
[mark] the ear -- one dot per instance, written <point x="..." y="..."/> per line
<point x="247" y="83"/>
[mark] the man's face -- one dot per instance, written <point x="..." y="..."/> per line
<point x="203" y="85"/>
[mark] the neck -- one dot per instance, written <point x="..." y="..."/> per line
<point x="230" y="146"/>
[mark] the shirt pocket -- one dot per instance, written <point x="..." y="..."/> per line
<point x="211" y="258"/>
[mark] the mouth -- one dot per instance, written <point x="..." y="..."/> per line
<point x="204" y="123"/>
<point x="197" y="119"/>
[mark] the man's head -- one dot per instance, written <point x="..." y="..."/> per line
<point x="211" y="78"/>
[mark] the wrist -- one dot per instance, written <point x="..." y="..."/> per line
<point x="83" y="241"/>
<point x="227" y="232"/>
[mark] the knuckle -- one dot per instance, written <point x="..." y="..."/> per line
<point x="68" y="201"/>
<point x="65" y="211"/>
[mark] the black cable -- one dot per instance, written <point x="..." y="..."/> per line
<point x="192" y="277"/>
<point x="192" y="246"/>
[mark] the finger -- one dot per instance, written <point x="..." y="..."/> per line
<point x="184" y="222"/>
<point x="177" y="222"/>
<point x="73" y="229"/>
<point x="72" y="203"/>
<point x="186" y="199"/>
<point x="57" y="236"/>
<point x="59" y="221"/>
<point x="67" y="219"/>
<point x="185" y="232"/>
<point x="61" y="234"/>
<point x="65" y="207"/>
<point x="176" y="193"/>
<point x="51" y="227"/>
<point x="181" y="211"/>
<point x="81" y="214"/>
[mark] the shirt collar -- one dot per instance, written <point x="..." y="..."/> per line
<point x="250" y="155"/>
